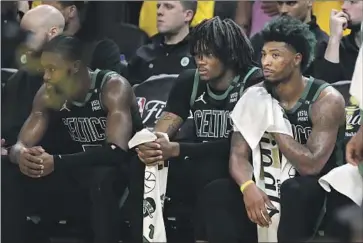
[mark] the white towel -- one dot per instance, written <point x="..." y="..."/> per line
<point x="346" y="180"/>
<point x="154" y="192"/>
<point x="256" y="114"/>
<point x="356" y="87"/>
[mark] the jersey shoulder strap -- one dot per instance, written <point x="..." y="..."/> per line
<point x="102" y="76"/>
<point x="250" y="73"/>
<point x="246" y="78"/>
<point x="193" y="96"/>
<point x="234" y="84"/>
<point x="316" y="87"/>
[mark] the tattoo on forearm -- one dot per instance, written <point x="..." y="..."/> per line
<point x="173" y="127"/>
<point x="169" y="123"/>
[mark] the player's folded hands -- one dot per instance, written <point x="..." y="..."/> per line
<point x="29" y="162"/>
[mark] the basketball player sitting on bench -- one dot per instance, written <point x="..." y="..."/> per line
<point x="316" y="113"/>
<point x="96" y="110"/>
<point x="223" y="55"/>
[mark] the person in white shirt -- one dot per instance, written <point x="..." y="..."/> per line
<point x="354" y="149"/>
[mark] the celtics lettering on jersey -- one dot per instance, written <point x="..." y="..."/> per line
<point x="211" y="115"/>
<point x="86" y="121"/>
<point x="211" y="110"/>
<point x="212" y="123"/>
<point x="86" y="129"/>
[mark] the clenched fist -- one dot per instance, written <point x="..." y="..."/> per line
<point x="338" y="23"/>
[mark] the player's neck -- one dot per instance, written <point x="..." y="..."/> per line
<point x="173" y="39"/>
<point x="83" y="85"/>
<point x="290" y="90"/>
<point x="224" y="81"/>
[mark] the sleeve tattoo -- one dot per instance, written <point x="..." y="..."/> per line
<point x="168" y="123"/>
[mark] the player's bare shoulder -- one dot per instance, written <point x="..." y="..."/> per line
<point x="116" y="82"/>
<point x="118" y="88"/>
<point x="42" y="100"/>
<point x="115" y="79"/>
<point x="330" y="103"/>
<point x="331" y="94"/>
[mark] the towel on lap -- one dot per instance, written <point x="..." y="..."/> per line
<point x="255" y="116"/>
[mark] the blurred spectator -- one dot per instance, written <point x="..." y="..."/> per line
<point x="262" y="12"/>
<point x="99" y="53"/>
<point x="338" y="61"/>
<point x="169" y="51"/>
<point x="321" y="10"/>
<point x="301" y="10"/>
<point x="148" y="20"/>
<point x="23" y="7"/>
<point x="117" y="12"/>
<point x="11" y="35"/>
<point x="239" y="11"/>
<point x="35" y="3"/>
<point x="44" y="22"/>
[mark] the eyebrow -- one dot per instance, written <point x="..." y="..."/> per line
<point x="48" y="65"/>
<point x="274" y="50"/>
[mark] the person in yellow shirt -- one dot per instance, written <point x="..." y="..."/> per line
<point x="147" y="20"/>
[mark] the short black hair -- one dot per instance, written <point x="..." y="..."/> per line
<point x="226" y="40"/>
<point x="294" y="33"/>
<point x="68" y="46"/>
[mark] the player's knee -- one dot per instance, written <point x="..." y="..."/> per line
<point x="218" y="192"/>
<point x="102" y="179"/>
<point x="290" y="188"/>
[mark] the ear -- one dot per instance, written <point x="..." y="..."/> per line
<point x="72" y="11"/>
<point x="297" y="59"/>
<point x="54" y="31"/>
<point x="309" y="3"/>
<point x="76" y="67"/>
<point x="188" y="15"/>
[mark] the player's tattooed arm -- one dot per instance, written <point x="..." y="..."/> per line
<point x="34" y="127"/>
<point x="117" y="98"/>
<point x="239" y="166"/>
<point x="328" y="114"/>
<point x="168" y="123"/>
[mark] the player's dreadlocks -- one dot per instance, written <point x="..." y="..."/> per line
<point x="225" y="40"/>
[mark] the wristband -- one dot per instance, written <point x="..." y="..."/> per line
<point x="246" y="184"/>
